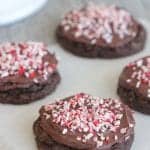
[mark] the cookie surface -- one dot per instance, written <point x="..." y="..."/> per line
<point x="134" y="85"/>
<point x="86" y="122"/>
<point x="28" y="72"/>
<point x="95" y="31"/>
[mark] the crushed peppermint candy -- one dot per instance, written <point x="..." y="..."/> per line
<point x="91" y="116"/>
<point x="140" y="73"/>
<point x="99" y="22"/>
<point x="123" y="130"/>
<point x="24" y="59"/>
<point x="64" y="131"/>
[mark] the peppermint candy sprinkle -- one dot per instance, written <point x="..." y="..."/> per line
<point x="91" y="116"/>
<point x="140" y="73"/>
<point x="99" y="22"/>
<point x="24" y="59"/>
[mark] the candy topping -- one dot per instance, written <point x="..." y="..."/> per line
<point x="91" y="116"/>
<point x="140" y="73"/>
<point x="24" y="59"/>
<point x="99" y="22"/>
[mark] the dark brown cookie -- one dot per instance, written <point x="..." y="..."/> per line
<point x="134" y="85"/>
<point x="45" y="142"/>
<point x="28" y="72"/>
<point x="94" y="32"/>
<point x="85" y="122"/>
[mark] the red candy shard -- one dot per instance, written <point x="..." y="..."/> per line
<point x="13" y="52"/>
<point x="21" y="70"/>
<point x="32" y="75"/>
<point x="147" y="74"/>
<point x="96" y="122"/>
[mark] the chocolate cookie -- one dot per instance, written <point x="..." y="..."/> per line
<point x="84" y="122"/>
<point x="28" y="72"/>
<point x="134" y="85"/>
<point x="95" y="31"/>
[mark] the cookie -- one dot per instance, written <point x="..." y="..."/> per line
<point x="44" y="141"/>
<point x="28" y="72"/>
<point x="134" y="85"/>
<point x="96" y="31"/>
<point x="84" y="122"/>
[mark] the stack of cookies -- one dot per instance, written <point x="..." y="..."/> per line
<point x="85" y="122"/>
<point x="28" y="72"/>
